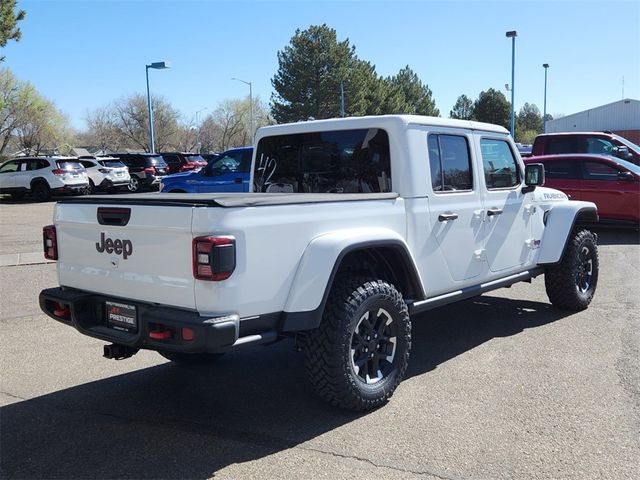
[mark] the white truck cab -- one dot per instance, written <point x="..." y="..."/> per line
<point x="352" y="226"/>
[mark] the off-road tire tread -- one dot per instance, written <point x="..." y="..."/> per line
<point x="325" y="366"/>
<point x="559" y="280"/>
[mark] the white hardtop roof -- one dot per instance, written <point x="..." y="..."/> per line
<point x="377" y="121"/>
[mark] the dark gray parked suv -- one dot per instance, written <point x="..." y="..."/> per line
<point x="146" y="169"/>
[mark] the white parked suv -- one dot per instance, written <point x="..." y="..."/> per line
<point x="42" y="177"/>
<point x="105" y="173"/>
<point x="381" y="218"/>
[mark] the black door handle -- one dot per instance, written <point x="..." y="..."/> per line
<point x="494" y="211"/>
<point x="238" y="180"/>
<point x="443" y="217"/>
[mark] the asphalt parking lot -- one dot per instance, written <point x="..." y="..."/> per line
<point x="501" y="386"/>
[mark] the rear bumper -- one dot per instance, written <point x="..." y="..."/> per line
<point x="109" y="183"/>
<point x="73" y="188"/>
<point x="87" y="314"/>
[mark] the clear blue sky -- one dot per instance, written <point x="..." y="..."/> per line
<point x="84" y="54"/>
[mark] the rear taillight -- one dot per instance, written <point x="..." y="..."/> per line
<point x="151" y="170"/>
<point x="50" y="242"/>
<point x="58" y="171"/>
<point x="103" y="170"/>
<point x="214" y="258"/>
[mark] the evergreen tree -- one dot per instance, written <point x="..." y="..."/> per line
<point x="492" y="107"/>
<point x="9" y="19"/>
<point x="416" y="98"/>
<point x="463" y="108"/>
<point x="310" y="70"/>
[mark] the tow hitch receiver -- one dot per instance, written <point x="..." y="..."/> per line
<point x="118" y="352"/>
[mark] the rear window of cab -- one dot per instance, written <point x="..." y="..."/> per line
<point x="337" y="161"/>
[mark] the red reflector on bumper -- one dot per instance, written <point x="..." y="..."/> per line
<point x="160" y="335"/>
<point x="187" y="334"/>
<point x="62" y="311"/>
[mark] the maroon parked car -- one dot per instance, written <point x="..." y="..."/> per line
<point x="598" y="143"/>
<point x="612" y="184"/>
<point x="183" y="162"/>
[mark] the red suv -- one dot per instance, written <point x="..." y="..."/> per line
<point x="612" y="184"/>
<point x="599" y="143"/>
<point x="183" y="162"/>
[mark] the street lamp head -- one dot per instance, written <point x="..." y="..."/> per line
<point x="545" y="65"/>
<point x="512" y="34"/>
<point x="159" y="65"/>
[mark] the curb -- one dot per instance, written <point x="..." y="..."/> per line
<point x="30" y="258"/>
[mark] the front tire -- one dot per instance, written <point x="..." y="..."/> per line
<point x="359" y="354"/>
<point x="571" y="284"/>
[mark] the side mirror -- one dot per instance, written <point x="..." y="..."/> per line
<point x="533" y="176"/>
<point x="625" y="176"/>
<point x="622" y="152"/>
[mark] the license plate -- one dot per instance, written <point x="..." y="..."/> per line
<point x="122" y="316"/>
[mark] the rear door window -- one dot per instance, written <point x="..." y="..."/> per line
<point x="562" y="145"/>
<point x="450" y="163"/>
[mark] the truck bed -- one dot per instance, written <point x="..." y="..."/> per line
<point x="227" y="200"/>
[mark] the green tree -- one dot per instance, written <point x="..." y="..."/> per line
<point x="9" y="18"/>
<point x="310" y="68"/>
<point x="28" y="120"/>
<point x="43" y="129"/>
<point x="416" y="98"/>
<point x="529" y="118"/>
<point x="492" y="107"/>
<point x="463" y="108"/>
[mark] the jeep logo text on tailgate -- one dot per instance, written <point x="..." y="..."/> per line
<point x="117" y="246"/>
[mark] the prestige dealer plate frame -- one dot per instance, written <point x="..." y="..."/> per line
<point x="122" y="316"/>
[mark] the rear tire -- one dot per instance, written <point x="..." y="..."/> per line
<point x="571" y="284"/>
<point x="182" y="358"/>
<point x="41" y="192"/>
<point x="359" y="354"/>
<point x="134" y="184"/>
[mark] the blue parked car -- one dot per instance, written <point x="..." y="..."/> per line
<point x="228" y="172"/>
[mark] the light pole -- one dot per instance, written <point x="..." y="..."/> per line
<point x="250" y="104"/>
<point x="544" y="115"/>
<point x="198" y="129"/>
<point x="157" y="66"/>
<point x="512" y="35"/>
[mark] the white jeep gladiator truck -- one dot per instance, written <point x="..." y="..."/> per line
<point x="353" y="225"/>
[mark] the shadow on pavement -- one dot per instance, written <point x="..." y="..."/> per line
<point x="173" y="422"/>
<point x="617" y="236"/>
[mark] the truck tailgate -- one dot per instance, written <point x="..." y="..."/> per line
<point x="149" y="258"/>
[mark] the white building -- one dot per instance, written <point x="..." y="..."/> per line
<point x="621" y="117"/>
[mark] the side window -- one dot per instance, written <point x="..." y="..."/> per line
<point x="450" y="163"/>
<point x="171" y="159"/>
<point x="599" y="171"/>
<point x="500" y="166"/>
<point x="8" y="167"/>
<point x="565" y="169"/>
<point x="33" y="164"/>
<point x="562" y="145"/>
<point x="226" y="164"/>
<point x="600" y="146"/>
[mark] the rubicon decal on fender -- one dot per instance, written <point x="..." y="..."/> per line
<point x="117" y="246"/>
